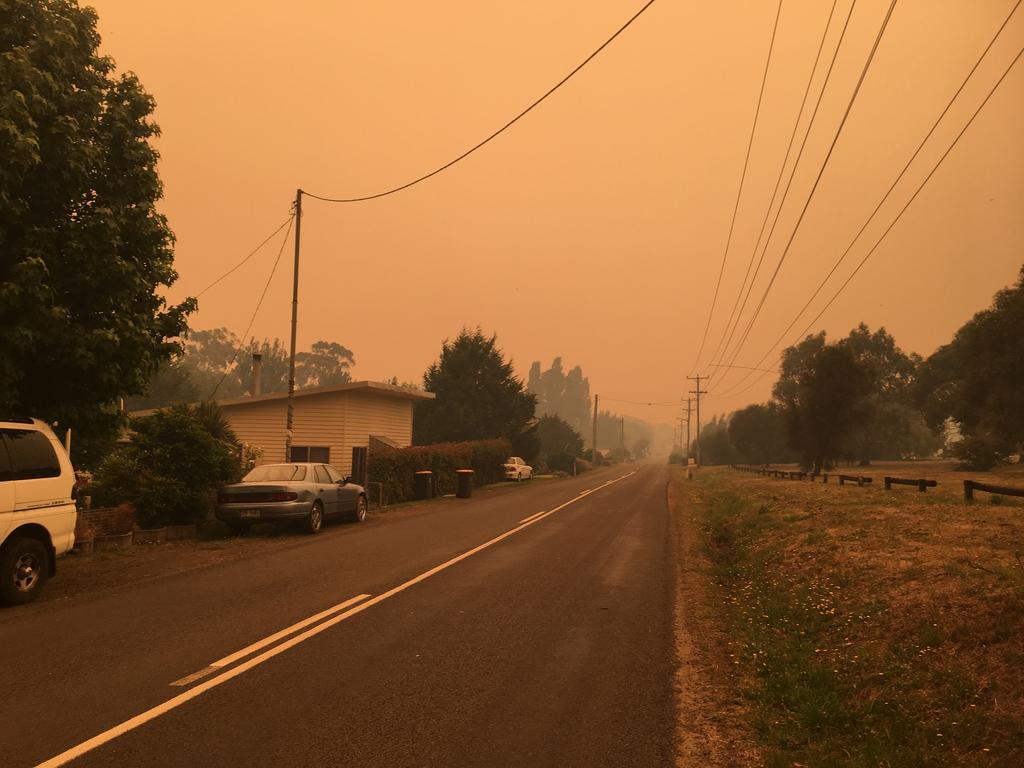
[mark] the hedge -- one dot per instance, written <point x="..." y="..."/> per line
<point x="395" y="468"/>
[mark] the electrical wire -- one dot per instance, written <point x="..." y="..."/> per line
<point x="635" y="402"/>
<point x="817" y="181"/>
<point x="259" y="304"/>
<point x="251" y="254"/>
<point x="739" y="191"/>
<point x="494" y="135"/>
<point x="887" y="194"/>
<point x="726" y="337"/>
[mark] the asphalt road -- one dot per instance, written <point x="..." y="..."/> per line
<point x="473" y="639"/>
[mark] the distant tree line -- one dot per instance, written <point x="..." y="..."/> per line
<point x="217" y="364"/>
<point x="863" y="398"/>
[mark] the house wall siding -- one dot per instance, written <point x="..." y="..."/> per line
<point x="337" y="420"/>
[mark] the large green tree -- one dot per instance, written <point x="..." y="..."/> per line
<point x="477" y="395"/>
<point x="819" y="389"/>
<point x="758" y="433"/>
<point x="84" y="253"/>
<point x="886" y="425"/>
<point x="560" y="444"/>
<point x="978" y="378"/>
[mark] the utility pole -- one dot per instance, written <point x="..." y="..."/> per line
<point x="689" y="401"/>
<point x="594" y="452"/>
<point x="295" y="324"/>
<point x="698" y="392"/>
<point x="622" y="436"/>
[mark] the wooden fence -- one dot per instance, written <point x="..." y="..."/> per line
<point x="970" y="486"/>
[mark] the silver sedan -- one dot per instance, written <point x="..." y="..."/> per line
<point x="306" y="493"/>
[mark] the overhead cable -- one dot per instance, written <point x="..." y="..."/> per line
<point x="886" y="197"/>
<point x="252" y="253"/>
<point x="726" y="338"/>
<point x="739" y="191"/>
<point x="494" y="135"/>
<point x="846" y="114"/>
<point x="259" y="304"/>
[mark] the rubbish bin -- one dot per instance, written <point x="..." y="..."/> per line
<point x="423" y="484"/>
<point x="463" y="483"/>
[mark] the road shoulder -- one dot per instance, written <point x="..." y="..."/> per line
<point x="712" y="729"/>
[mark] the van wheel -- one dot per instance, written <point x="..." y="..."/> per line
<point x="24" y="565"/>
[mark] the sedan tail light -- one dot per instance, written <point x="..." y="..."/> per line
<point x="256" y="498"/>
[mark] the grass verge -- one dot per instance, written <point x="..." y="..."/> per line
<point x="867" y="629"/>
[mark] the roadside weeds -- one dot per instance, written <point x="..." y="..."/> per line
<point x="711" y="729"/>
<point x="867" y="629"/>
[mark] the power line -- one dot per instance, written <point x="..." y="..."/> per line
<point x="886" y="196"/>
<point x="251" y="254"/>
<point x="817" y="181"/>
<point x="636" y="402"/>
<point x="259" y="304"/>
<point x="498" y="132"/>
<point x="739" y="191"/>
<point x="917" y="191"/>
<point x="778" y="182"/>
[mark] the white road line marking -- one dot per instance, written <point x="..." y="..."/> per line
<point x="535" y="514"/>
<point x="269" y="640"/>
<point x="173" y="703"/>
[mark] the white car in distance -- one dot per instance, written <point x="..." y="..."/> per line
<point x="517" y="469"/>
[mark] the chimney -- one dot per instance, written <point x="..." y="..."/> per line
<point x="257" y="371"/>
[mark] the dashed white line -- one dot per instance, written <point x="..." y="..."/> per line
<point x="160" y="709"/>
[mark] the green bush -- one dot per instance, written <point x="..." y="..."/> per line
<point x="396" y="468"/>
<point x="170" y="470"/>
<point x="980" y="453"/>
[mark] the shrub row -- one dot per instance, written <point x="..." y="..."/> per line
<point x="395" y="468"/>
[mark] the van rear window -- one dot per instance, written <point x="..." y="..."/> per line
<point x="31" y="455"/>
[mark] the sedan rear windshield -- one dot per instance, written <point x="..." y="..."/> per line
<point x="280" y="473"/>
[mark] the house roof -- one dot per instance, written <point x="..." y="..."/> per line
<point x="376" y="387"/>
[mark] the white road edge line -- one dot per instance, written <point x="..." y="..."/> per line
<point x="173" y="703"/>
<point x="268" y="640"/>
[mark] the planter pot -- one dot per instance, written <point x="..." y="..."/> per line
<point x="180" y="532"/>
<point x="112" y="543"/>
<point x="83" y="546"/>
<point x="149" y="536"/>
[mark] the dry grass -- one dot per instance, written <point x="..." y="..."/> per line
<point x="879" y="627"/>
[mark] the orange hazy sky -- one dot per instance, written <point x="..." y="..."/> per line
<point x="595" y="228"/>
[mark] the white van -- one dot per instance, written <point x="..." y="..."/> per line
<point x="37" y="511"/>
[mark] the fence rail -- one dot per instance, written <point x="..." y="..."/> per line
<point x="970" y="486"/>
<point x="921" y="484"/>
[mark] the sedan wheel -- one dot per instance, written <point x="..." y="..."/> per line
<point x="360" y="514"/>
<point x="315" y="521"/>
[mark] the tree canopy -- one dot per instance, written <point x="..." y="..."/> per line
<point x="478" y="396"/>
<point x="217" y="363"/>
<point x="566" y="395"/>
<point x="978" y="378"/>
<point x="819" y="388"/>
<point x="83" y="250"/>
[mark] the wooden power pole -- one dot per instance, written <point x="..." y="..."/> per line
<point x="290" y="419"/>
<point x="698" y="392"/>
<point x="594" y="451"/>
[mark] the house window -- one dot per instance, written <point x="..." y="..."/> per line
<point x="314" y="453"/>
